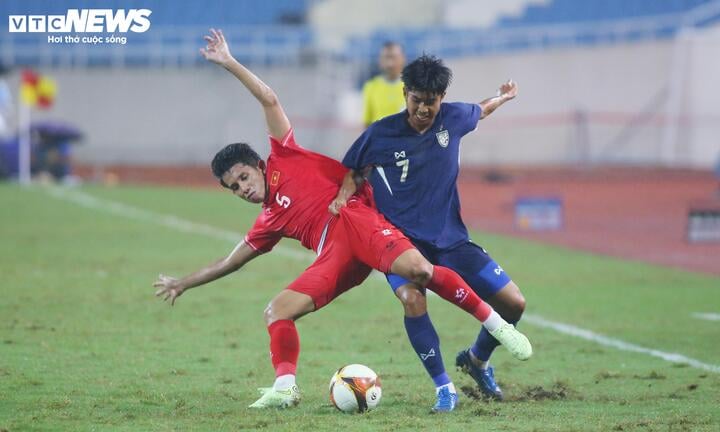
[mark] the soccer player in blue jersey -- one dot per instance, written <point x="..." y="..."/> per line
<point x="412" y="161"/>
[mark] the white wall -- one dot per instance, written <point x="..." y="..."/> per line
<point x="334" y="20"/>
<point x="473" y="13"/>
<point x="700" y="87"/>
<point x="170" y="116"/>
<point x="618" y="83"/>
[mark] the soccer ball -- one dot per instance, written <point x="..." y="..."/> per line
<point x="355" y="388"/>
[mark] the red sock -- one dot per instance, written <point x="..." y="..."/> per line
<point x="450" y="286"/>
<point x="284" y="347"/>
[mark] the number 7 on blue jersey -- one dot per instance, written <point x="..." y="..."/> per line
<point x="405" y="164"/>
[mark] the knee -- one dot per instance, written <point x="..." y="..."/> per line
<point x="411" y="265"/>
<point x="421" y="272"/>
<point x="274" y="313"/>
<point x="268" y="315"/>
<point x="516" y="307"/>
<point x="413" y="300"/>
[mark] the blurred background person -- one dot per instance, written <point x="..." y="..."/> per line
<point x="52" y="143"/>
<point x="383" y="94"/>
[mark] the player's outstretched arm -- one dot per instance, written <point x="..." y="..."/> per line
<point x="171" y="288"/>
<point x="218" y="52"/>
<point x="352" y="181"/>
<point x="506" y="92"/>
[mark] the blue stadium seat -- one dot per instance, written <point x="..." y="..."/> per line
<point x="573" y="11"/>
<point x="463" y="42"/>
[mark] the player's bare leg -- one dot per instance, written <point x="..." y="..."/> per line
<point x="413" y="300"/>
<point x="280" y="316"/>
<point x="288" y="305"/>
<point x="508" y="302"/>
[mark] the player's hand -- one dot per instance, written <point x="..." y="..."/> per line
<point x="508" y="90"/>
<point x="336" y="205"/>
<point x="217" y="50"/>
<point x="169" y="288"/>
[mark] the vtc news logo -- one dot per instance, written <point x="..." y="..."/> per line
<point x="83" y="21"/>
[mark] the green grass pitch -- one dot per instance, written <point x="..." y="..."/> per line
<point x="84" y="344"/>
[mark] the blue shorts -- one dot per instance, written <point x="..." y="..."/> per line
<point x="468" y="260"/>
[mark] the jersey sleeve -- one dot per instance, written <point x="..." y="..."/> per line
<point x="356" y="157"/>
<point x="287" y="141"/>
<point x="262" y="237"/>
<point x="467" y="116"/>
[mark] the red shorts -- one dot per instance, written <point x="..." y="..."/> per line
<point x="374" y="241"/>
<point x="358" y="241"/>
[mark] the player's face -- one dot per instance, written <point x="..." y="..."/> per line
<point x="246" y="182"/>
<point x="392" y="61"/>
<point x="422" y="108"/>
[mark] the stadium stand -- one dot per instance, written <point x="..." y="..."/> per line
<point x="573" y="11"/>
<point x="558" y="23"/>
<point x="279" y="32"/>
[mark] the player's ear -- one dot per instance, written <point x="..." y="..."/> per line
<point x="261" y="165"/>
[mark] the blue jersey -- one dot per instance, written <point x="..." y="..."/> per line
<point x="414" y="176"/>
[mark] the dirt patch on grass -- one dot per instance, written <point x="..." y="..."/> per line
<point x="558" y="391"/>
<point x="651" y="376"/>
<point x="485" y="412"/>
<point x="677" y="424"/>
<point x="631" y="425"/>
<point x="473" y="393"/>
<point x="606" y="375"/>
<point x="679" y="394"/>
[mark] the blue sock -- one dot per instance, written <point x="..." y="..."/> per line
<point x="485" y="344"/>
<point x="424" y="339"/>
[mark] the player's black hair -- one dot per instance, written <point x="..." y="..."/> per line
<point x="391" y="43"/>
<point x="230" y="155"/>
<point x="428" y="74"/>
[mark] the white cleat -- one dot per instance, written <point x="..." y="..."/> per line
<point x="516" y="342"/>
<point x="272" y="398"/>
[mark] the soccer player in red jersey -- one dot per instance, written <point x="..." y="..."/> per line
<point x="295" y="187"/>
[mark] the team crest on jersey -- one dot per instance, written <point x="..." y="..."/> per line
<point x="275" y="178"/>
<point x="443" y="138"/>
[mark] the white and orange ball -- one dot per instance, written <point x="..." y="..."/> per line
<point x="355" y="388"/>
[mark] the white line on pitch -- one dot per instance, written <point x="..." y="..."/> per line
<point x="708" y="316"/>
<point x="166" y="220"/>
<point x="171" y="221"/>
<point x="617" y="343"/>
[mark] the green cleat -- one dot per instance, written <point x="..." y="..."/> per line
<point x="272" y="398"/>
<point x="516" y="342"/>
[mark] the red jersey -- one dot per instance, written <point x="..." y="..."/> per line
<point x="301" y="185"/>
